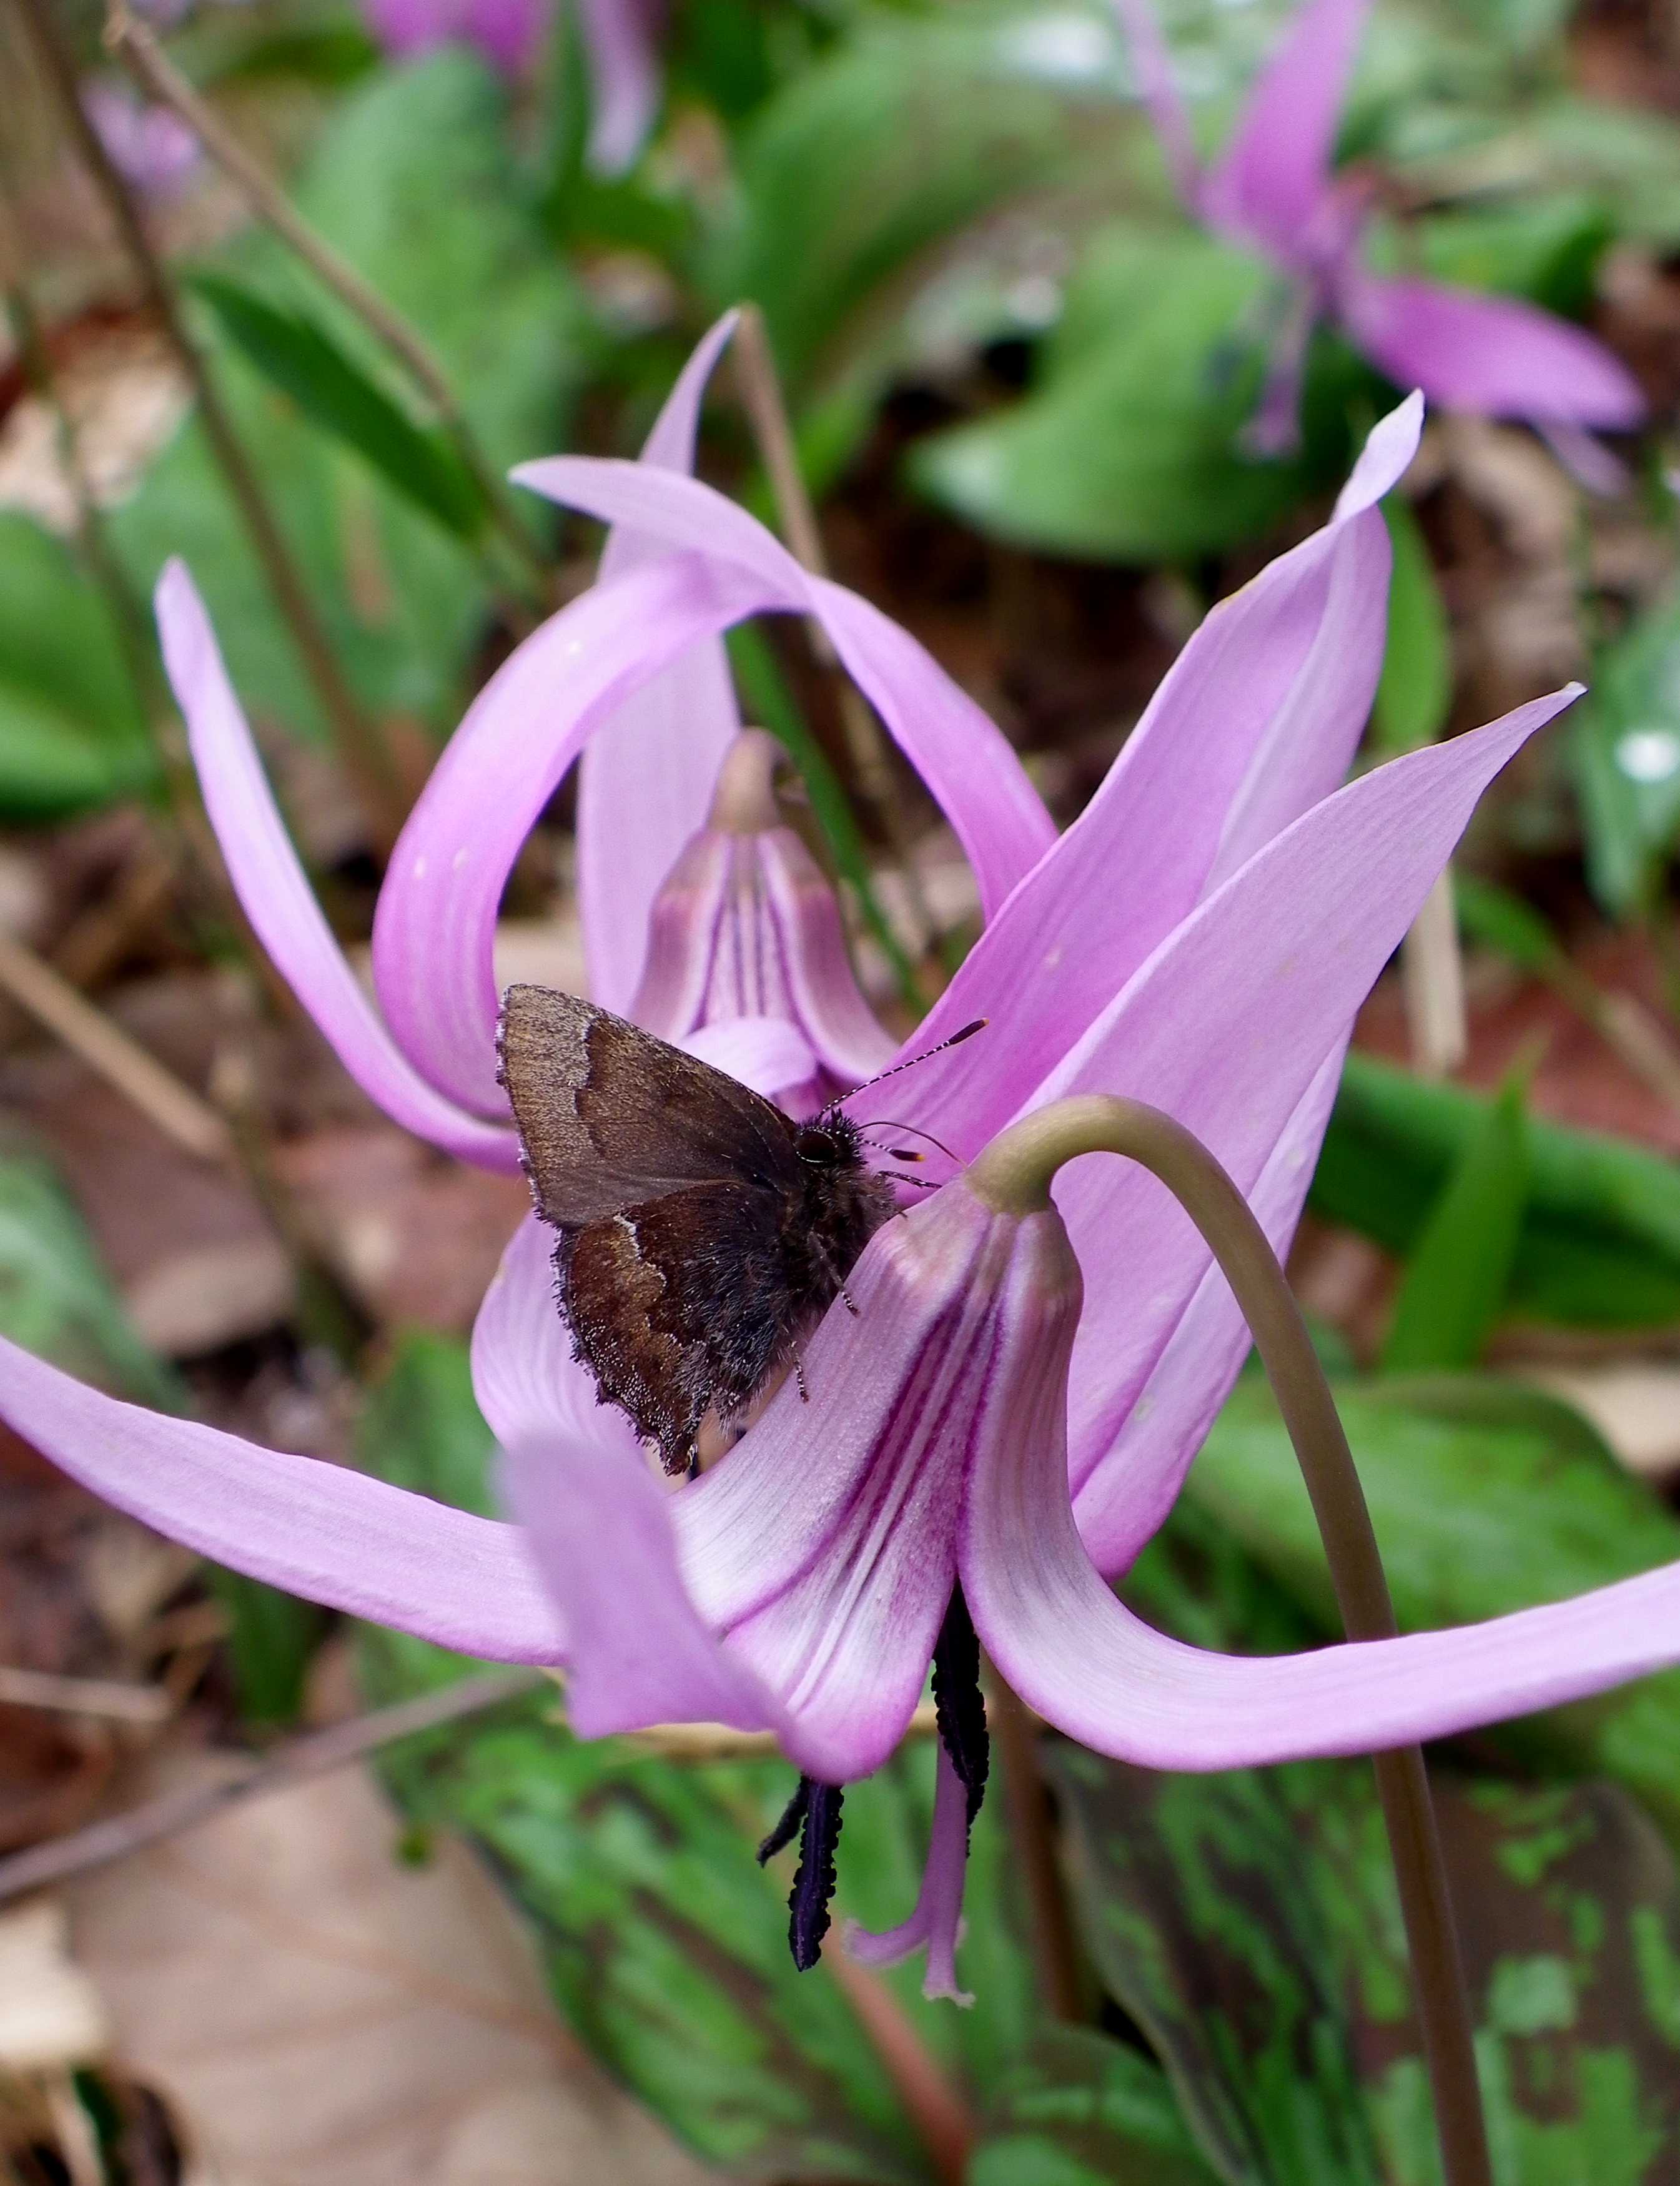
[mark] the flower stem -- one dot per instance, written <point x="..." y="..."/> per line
<point x="358" y="741"/>
<point x="1014" y="1172"/>
<point x="866" y="748"/>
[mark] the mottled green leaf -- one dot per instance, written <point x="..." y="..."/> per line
<point x="72" y="735"/>
<point x="1077" y="2109"/>
<point x="1416" y="693"/>
<point x="664" y="1943"/>
<point x="1487" y="1498"/>
<point x="294" y="352"/>
<point x="1250" y="1923"/>
<point x="1454" y="1287"/>
<point x="1600" y="1240"/>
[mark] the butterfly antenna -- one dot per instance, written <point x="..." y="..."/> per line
<point x="926" y="1055"/>
<point x="887" y="1123"/>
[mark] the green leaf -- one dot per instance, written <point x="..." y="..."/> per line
<point x="1250" y="1923"/>
<point x="1487" y="1498"/>
<point x="1454" y="1287"/>
<point x="1546" y="246"/>
<point x="1078" y="2109"/>
<point x="1599" y="1246"/>
<point x="1416" y="693"/>
<point x="1625" y="750"/>
<point x="903" y="136"/>
<point x="1128" y="447"/>
<point x="56" y="1299"/>
<point x="664" y="1942"/>
<point x="416" y="181"/>
<point x="1501" y="919"/>
<point x="293" y="351"/>
<point x="72" y="734"/>
<point x="271" y="1639"/>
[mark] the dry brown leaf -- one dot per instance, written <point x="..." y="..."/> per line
<point x="317" y="2014"/>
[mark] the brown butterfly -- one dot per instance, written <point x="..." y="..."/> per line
<point x="703" y="1232"/>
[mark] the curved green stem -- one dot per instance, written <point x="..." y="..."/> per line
<point x="1014" y="1174"/>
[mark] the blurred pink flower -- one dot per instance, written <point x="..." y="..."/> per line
<point x="621" y="39"/>
<point x="1009" y="1416"/>
<point x="1274" y="189"/>
<point x="151" y="149"/>
<point x="508" y="33"/>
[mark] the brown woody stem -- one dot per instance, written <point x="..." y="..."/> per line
<point x="1013" y="1174"/>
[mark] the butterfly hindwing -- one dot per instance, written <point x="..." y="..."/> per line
<point x="611" y="1118"/>
<point x="679" y="1307"/>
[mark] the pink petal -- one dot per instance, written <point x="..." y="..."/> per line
<point x="644" y="788"/>
<point x="1069" y="1649"/>
<point x="769" y="1054"/>
<point x="599" y="1526"/>
<point x="936" y="1924"/>
<point x="1229" y="1024"/>
<point x="1271" y="182"/>
<point x="434" y="928"/>
<point x="1255" y="722"/>
<point x="318" y="1530"/>
<point x="1135" y="1482"/>
<point x="1492" y="355"/>
<point x="276" y="893"/>
<point x="966" y="765"/>
<point x="747" y="925"/>
<point x="526" y="1380"/>
<point x="621" y="38"/>
<point x="1158" y="89"/>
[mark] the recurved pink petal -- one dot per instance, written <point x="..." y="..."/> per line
<point x="1494" y="356"/>
<point x="318" y="1530"/>
<point x="1255" y="722"/>
<point x="1270" y="183"/>
<point x="271" y="885"/>
<point x="1229" y="1024"/>
<point x="1068" y="1648"/>
<point x="644" y="786"/>
<point x="967" y="765"/>
<point x="434" y="928"/>
<point x="1135" y="1483"/>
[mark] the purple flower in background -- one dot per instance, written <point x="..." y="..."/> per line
<point x="1273" y="189"/>
<point x="508" y="33"/>
<point x="621" y="39"/>
<point x="150" y="147"/>
<point x="1009" y="1416"/>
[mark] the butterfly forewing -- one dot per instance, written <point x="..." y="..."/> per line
<point x="610" y="1117"/>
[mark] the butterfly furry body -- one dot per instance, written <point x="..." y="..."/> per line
<point x="703" y="1232"/>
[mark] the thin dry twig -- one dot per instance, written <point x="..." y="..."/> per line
<point x="98" y="1696"/>
<point x="137" y="48"/>
<point x="178" y="1112"/>
<point x="298" y="1762"/>
<point x="1432" y="977"/>
<point x="1055" y="1952"/>
<point x="363" y="747"/>
<point x="766" y="411"/>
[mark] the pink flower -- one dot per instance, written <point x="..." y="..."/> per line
<point x="621" y="40"/>
<point x="150" y="147"/>
<point x="1010" y="1415"/>
<point x="508" y="33"/>
<point x="1274" y="189"/>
